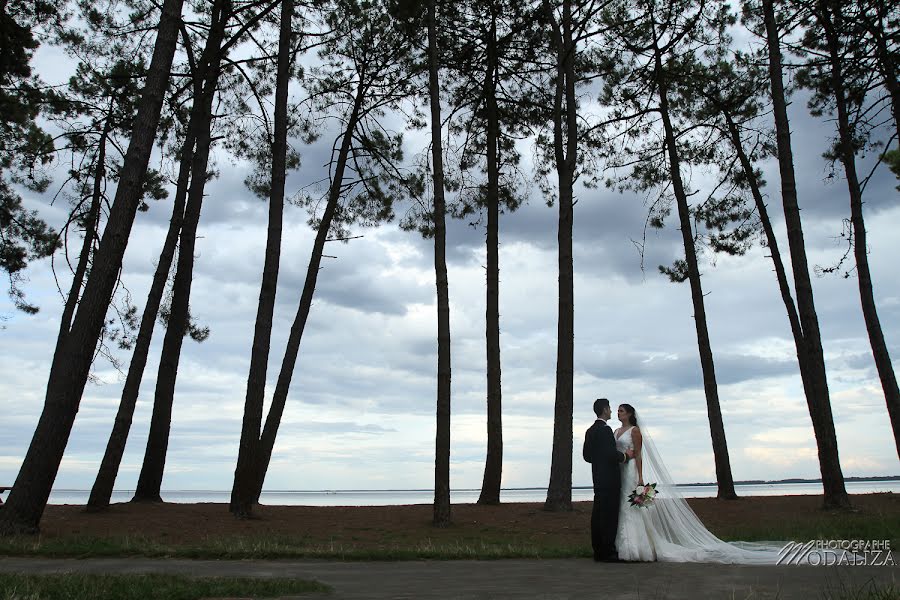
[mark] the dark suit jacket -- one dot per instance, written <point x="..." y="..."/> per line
<point x="600" y="451"/>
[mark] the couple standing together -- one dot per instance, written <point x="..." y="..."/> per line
<point x="666" y="530"/>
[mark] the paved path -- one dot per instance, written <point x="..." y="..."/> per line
<point x="512" y="579"/>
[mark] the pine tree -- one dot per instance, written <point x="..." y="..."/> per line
<point x="24" y="146"/>
<point x="72" y="358"/>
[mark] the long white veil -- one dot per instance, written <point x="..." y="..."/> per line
<point x="680" y="536"/>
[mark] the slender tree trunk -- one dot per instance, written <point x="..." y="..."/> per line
<point x="292" y="349"/>
<point x="724" y="478"/>
<point x="101" y="492"/>
<point x="886" y="64"/>
<point x="860" y="251"/>
<point x="441" y="516"/>
<point x="772" y="244"/>
<point x="90" y="231"/>
<point x="245" y="473"/>
<point x="150" y="479"/>
<point x="559" y="491"/>
<point x="493" y="467"/>
<point x="72" y="358"/>
<point x="818" y="402"/>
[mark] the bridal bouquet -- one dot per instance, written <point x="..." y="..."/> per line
<point x="643" y="495"/>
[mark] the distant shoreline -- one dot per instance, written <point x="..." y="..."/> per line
<point x="513" y="489"/>
<point x="794" y="480"/>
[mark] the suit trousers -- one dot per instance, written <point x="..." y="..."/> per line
<point x="605" y="522"/>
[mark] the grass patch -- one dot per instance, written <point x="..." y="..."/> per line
<point x="74" y="586"/>
<point x="824" y="526"/>
<point x="468" y="546"/>
<point x="870" y="590"/>
<point x="238" y="548"/>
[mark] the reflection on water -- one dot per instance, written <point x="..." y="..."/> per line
<point x="388" y="497"/>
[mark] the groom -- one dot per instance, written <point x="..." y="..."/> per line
<point x="600" y="450"/>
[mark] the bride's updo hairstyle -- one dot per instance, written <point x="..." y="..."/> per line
<point x="632" y="418"/>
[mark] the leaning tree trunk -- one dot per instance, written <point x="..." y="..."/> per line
<point x="818" y="402"/>
<point x="149" y="483"/>
<point x="772" y="244"/>
<point x="493" y="467"/>
<point x="245" y="473"/>
<point x="886" y="62"/>
<point x="559" y="491"/>
<point x="724" y="478"/>
<point x="90" y="231"/>
<point x="441" y="517"/>
<point x="860" y="250"/>
<point x="101" y="492"/>
<point x="72" y="358"/>
<point x="279" y="398"/>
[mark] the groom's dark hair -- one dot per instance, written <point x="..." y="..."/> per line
<point x="599" y="405"/>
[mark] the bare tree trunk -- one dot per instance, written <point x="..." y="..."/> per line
<point x="441" y="516"/>
<point x="860" y="251"/>
<point x="559" y="491"/>
<point x="493" y="467"/>
<point x="886" y="63"/>
<point x="90" y="232"/>
<point x="101" y="492"/>
<point x="818" y="402"/>
<point x="292" y="349"/>
<point x="72" y="358"/>
<point x="772" y="244"/>
<point x="150" y="479"/>
<point x="724" y="479"/>
<point x="245" y="473"/>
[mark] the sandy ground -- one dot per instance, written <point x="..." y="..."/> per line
<point x="396" y="526"/>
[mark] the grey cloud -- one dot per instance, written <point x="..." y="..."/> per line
<point x="683" y="372"/>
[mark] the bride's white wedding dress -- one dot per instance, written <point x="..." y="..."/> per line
<point x="669" y="530"/>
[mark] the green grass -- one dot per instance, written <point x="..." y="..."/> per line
<point x="870" y="590"/>
<point x="829" y="526"/>
<point x="73" y="586"/>
<point x="486" y="547"/>
<point x="284" y="547"/>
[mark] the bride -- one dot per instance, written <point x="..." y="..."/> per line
<point x="667" y="530"/>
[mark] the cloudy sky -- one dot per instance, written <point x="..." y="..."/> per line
<point x="361" y="409"/>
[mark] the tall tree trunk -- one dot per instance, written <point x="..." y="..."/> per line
<point x="279" y="398"/>
<point x="724" y="478"/>
<point x="149" y="483"/>
<point x="242" y="492"/>
<point x="101" y="492"/>
<point x="818" y="402"/>
<point x="886" y="63"/>
<point x="90" y="231"/>
<point x="441" y="516"/>
<point x="72" y="358"/>
<point x="831" y="26"/>
<point x="772" y="243"/>
<point x="559" y="491"/>
<point x="493" y="467"/>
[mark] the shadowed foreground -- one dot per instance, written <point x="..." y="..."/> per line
<point x="514" y="579"/>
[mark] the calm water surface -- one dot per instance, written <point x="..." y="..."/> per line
<point x="387" y="497"/>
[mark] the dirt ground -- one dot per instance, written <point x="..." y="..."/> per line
<point x="386" y="526"/>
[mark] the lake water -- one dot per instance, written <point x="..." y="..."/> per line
<point x="465" y="496"/>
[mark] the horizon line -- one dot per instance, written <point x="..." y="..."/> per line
<point x="509" y="489"/>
